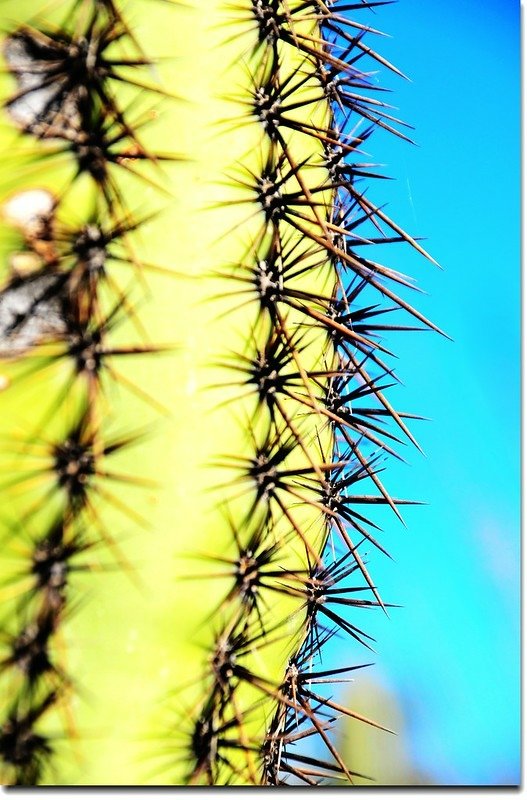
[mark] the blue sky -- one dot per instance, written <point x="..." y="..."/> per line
<point x="452" y="652"/>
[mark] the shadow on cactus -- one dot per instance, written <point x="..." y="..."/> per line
<point x="196" y="376"/>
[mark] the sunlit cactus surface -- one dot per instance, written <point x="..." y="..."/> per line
<point x="196" y="316"/>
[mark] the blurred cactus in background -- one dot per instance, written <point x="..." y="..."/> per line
<point x="366" y="746"/>
<point x="195" y="385"/>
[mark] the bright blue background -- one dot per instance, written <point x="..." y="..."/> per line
<point x="452" y="653"/>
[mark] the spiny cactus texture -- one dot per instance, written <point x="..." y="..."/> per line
<point x="194" y="385"/>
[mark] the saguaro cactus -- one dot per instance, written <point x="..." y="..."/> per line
<point x="194" y="377"/>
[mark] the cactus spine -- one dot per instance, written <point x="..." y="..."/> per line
<point x="194" y="386"/>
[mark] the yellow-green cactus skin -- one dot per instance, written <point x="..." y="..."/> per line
<point x="192" y="375"/>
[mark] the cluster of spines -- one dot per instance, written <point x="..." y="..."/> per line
<point x="52" y="310"/>
<point x="308" y="224"/>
